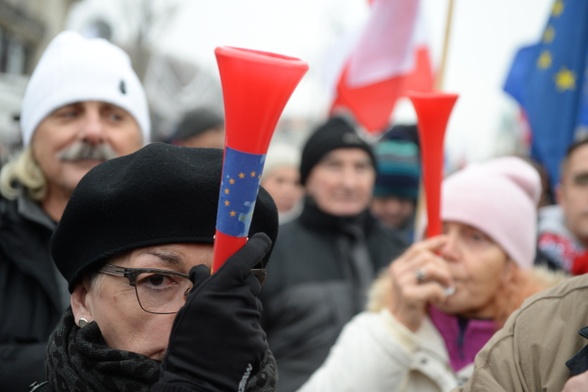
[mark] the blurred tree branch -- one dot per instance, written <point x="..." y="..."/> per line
<point x="151" y="18"/>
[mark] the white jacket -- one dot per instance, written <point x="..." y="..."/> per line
<point x="376" y="353"/>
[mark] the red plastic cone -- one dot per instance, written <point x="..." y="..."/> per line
<point x="433" y="109"/>
<point x="256" y="87"/>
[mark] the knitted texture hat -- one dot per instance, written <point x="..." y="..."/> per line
<point x="398" y="169"/>
<point x="160" y="194"/>
<point x="498" y="197"/>
<point x="75" y="69"/>
<point x="406" y="132"/>
<point x="196" y="122"/>
<point x="335" y="133"/>
<point x="279" y="155"/>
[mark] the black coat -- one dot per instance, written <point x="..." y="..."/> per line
<point x="309" y="295"/>
<point x="32" y="292"/>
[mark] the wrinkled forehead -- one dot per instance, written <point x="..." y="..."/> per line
<point x="176" y="256"/>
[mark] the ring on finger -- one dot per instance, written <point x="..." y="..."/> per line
<point x="420" y="275"/>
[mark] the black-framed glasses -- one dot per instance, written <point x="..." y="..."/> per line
<point x="158" y="291"/>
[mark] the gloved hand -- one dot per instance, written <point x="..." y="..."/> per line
<point x="216" y="341"/>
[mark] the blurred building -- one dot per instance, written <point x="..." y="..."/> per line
<point x="26" y="27"/>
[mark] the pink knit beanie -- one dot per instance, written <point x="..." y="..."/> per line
<point x="498" y="197"/>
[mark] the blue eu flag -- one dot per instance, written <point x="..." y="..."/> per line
<point x="238" y="193"/>
<point x="548" y="81"/>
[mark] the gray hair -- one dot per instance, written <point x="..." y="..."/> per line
<point x="22" y="173"/>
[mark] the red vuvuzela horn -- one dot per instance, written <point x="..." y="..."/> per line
<point x="256" y="87"/>
<point x="432" y="109"/>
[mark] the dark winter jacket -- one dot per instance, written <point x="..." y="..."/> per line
<point x="33" y="294"/>
<point x="309" y="293"/>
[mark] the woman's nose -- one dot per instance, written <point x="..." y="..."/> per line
<point x="449" y="251"/>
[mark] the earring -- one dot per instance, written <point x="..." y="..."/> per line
<point x="83" y="322"/>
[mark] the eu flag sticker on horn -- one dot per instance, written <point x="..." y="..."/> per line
<point x="239" y="186"/>
<point x="256" y="87"/>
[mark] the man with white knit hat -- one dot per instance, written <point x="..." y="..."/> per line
<point x="83" y="105"/>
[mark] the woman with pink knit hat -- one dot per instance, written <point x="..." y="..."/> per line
<point x="442" y="300"/>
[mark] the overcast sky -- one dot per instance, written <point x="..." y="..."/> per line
<point x="484" y="36"/>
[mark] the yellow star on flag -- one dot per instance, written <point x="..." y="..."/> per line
<point x="241" y="175"/>
<point x="227" y="191"/>
<point x="252" y="174"/>
<point x="548" y="35"/>
<point x="227" y="203"/>
<point x="544" y="60"/>
<point x="558" y="8"/>
<point x="565" y="79"/>
<point x="231" y="181"/>
<point x="232" y="213"/>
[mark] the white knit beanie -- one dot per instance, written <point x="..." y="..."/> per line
<point x="498" y="197"/>
<point x="74" y="69"/>
<point x="279" y="155"/>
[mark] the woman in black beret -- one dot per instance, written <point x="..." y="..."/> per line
<point x="135" y="245"/>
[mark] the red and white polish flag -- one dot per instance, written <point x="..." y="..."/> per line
<point x="390" y="58"/>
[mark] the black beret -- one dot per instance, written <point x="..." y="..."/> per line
<point x="160" y="194"/>
<point x="335" y="133"/>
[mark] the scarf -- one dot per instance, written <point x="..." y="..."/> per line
<point x="79" y="360"/>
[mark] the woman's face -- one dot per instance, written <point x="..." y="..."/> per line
<point x="283" y="184"/>
<point x="112" y="303"/>
<point x="479" y="267"/>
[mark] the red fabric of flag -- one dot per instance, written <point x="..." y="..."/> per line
<point x="390" y="58"/>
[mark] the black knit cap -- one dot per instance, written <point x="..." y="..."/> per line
<point x="160" y="194"/>
<point x="197" y="122"/>
<point x="335" y="133"/>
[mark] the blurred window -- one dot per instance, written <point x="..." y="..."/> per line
<point x="13" y="53"/>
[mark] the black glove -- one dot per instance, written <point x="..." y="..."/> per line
<point x="216" y="341"/>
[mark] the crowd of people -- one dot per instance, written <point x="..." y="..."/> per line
<point x="107" y="242"/>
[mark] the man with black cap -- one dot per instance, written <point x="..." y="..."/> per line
<point x="324" y="260"/>
<point x="135" y="244"/>
<point x="83" y="104"/>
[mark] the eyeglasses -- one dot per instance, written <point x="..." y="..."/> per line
<point x="158" y="291"/>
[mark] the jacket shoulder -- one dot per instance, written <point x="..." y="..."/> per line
<point x="559" y="305"/>
<point x="568" y="289"/>
<point x="546" y="325"/>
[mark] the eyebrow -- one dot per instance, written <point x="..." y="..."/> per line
<point x="168" y="257"/>
<point x="580" y="175"/>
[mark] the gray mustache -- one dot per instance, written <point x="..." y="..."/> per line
<point x="80" y="151"/>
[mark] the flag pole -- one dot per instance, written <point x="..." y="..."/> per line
<point x="440" y="77"/>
